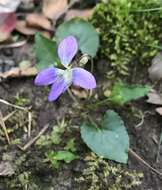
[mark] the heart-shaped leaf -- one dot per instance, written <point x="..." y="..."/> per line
<point x="111" y="141"/>
<point x="85" y="33"/>
<point x="46" y="52"/>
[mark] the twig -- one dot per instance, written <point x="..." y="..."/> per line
<point x="13" y="45"/>
<point x="159" y="146"/>
<point x="13" y="105"/>
<point x="2" y="123"/>
<point x="144" y="162"/>
<point x="8" y="116"/>
<point x="32" y="141"/>
<point x="29" y="123"/>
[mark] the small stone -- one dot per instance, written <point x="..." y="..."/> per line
<point x="155" y="71"/>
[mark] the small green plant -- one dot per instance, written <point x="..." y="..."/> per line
<point x="56" y="156"/>
<point x="129" y="32"/>
<point x="20" y="100"/>
<point x="54" y="138"/>
<point x="110" y="139"/>
<point x="68" y="152"/>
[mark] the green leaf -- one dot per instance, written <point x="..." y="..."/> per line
<point x="46" y="52"/>
<point x="85" y="33"/>
<point x="55" y="156"/>
<point x="111" y="141"/>
<point x="123" y="93"/>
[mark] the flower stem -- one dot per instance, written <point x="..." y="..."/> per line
<point x="72" y="96"/>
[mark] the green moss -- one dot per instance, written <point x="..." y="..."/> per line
<point x="100" y="175"/>
<point x="130" y="31"/>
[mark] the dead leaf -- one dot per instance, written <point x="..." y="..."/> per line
<point x="80" y="93"/>
<point x="54" y="8"/>
<point x="8" y="6"/>
<point x="155" y="71"/>
<point x="78" y="13"/>
<point x="154" y="98"/>
<point x="159" y="110"/>
<point x="6" y="169"/>
<point x="22" y="27"/>
<point x="7" y="25"/>
<point x="18" y="72"/>
<point x="38" y="21"/>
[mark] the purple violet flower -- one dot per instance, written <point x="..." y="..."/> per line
<point x="62" y="79"/>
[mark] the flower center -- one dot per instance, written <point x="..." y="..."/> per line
<point x="66" y="75"/>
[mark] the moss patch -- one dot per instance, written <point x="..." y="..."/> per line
<point x="99" y="174"/>
<point x="130" y="32"/>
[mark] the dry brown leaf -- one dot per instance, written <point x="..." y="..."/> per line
<point x="24" y="29"/>
<point x="38" y="21"/>
<point x="80" y="93"/>
<point x="54" y="8"/>
<point x="29" y="31"/>
<point x="154" y="98"/>
<point x="17" y="72"/>
<point x="78" y="13"/>
<point x="159" y="110"/>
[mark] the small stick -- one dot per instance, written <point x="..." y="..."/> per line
<point x="144" y="162"/>
<point x="8" y="116"/>
<point x="32" y="141"/>
<point x="159" y="145"/>
<point x="13" y="45"/>
<point x="2" y="123"/>
<point x="13" y="105"/>
<point x="29" y="123"/>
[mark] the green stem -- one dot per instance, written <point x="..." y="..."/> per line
<point x="102" y="102"/>
<point x="147" y="10"/>
<point x="72" y="96"/>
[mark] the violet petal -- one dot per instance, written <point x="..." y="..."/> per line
<point x="67" y="50"/>
<point x="58" y="88"/>
<point x="83" y="78"/>
<point x="46" y="77"/>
